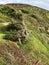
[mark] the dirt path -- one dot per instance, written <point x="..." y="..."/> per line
<point x="5" y="24"/>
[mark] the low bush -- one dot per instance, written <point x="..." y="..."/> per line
<point x="15" y="36"/>
<point x="25" y="11"/>
<point x="33" y="15"/>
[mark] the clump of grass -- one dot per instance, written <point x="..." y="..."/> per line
<point x="25" y="11"/>
<point x="2" y="36"/>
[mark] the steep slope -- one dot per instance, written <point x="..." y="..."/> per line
<point x="10" y="54"/>
<point x="33" y="51"/>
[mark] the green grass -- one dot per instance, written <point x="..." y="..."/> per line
<point x="2" y="36"/>
<point x="37" y="45"/>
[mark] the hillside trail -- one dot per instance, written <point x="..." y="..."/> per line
<point x="5" y="23"/>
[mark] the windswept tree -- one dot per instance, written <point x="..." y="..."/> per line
<point x="17" y="30"/>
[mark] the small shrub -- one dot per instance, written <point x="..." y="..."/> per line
<point x="11" y="36"/>
<point x="14" y="26"/>
<point x="15" y="35"/>
<point x="34" y="16"/>
<point x="25" y="11"/>
<point x="19" y="16"/>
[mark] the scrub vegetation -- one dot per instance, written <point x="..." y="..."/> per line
<point x="24" y="35"/>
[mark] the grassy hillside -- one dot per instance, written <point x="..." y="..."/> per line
<point x="24" y="35"/>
